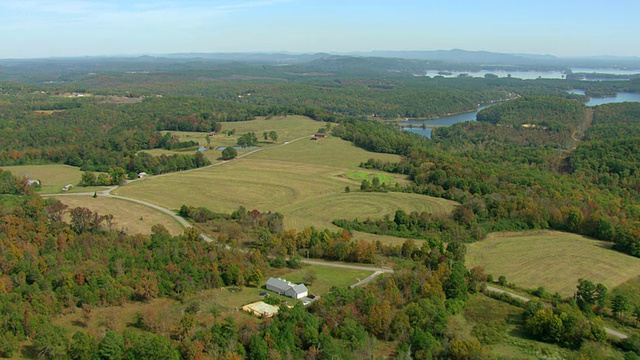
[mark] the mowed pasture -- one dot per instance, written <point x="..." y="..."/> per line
<point x="304" y="180"/>
<point x="552" y="259"/>
<point x="52" y="177"/>
<point x="131" y="217"/>
<point x="287" y="128"/>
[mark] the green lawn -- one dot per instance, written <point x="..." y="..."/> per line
<point x="554" y="260"/>
<point x="326" y="277"/>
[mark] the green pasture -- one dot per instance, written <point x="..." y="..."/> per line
<point x="52" y="177"/>
<point x="283" y="179"/>
<point x="384" y="239"/>
<point x="363" y="175"/>
<point x="287" y="127"/>
<point x="330" y="152"/>
<point x="554" y="260"/>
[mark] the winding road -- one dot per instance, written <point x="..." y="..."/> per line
<point x="107" y="193"/>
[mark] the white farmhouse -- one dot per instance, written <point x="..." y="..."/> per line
<point x="287" y="288"/>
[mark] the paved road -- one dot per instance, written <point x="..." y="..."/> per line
<point x="609" y="331"/>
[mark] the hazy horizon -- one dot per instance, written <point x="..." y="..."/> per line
<point x="78" y="28"/>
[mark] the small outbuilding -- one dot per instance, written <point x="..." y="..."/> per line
<point x="142" y="174"/>
<point x="260" y="308"/>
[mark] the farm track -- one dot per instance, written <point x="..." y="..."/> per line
<point x="609" y="331"/>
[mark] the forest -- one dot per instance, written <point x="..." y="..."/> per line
<point x="52" y="267"/>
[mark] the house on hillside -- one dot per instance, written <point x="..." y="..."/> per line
<point x="67" y="187"/>
<point x="287" y="288"/>
<point x="318" y="135"/>
<point x="142" y="174"/>
<point x="33" y="182"/>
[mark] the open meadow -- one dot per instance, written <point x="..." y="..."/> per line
<point x="131" y="217"/>
<point x="53" y="177"/>
<point x="552" y="259"/>
<point x="304" y="180"/>
<point x="288" y="128"/>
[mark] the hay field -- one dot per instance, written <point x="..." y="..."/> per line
<point x="52" y="177"/>
<point x="288" y="128"/>
<point x="552" y="259"/>
<point x="305" y="181"/>
<point x="132" y="217"/>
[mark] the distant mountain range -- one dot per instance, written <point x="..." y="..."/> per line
<point x="455" y="56"/>
<point x="369" y="63"/>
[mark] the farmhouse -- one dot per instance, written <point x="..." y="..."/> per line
<point x="319" y="135"/>
<point x="287" y="288"/>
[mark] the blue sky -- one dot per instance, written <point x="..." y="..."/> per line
<point x="45" y="28"/>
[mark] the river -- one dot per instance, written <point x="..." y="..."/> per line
<point x="423" y="127"/>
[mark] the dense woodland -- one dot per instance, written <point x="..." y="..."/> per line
<point x="505" y="176"/>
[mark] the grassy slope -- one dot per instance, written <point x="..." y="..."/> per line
<point x="287" y="128"/>
<point x="513" y="342"/>
<point x="305" y="181"/>
<point x="122" y="210"/>
<point x="52" y="177"/>
<point x="555" y="260"/>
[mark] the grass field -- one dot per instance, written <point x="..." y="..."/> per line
<point x="122" y="210"/>
<point x="384" y="239"/>
<point x="52" y="177"/>
<point x="364" y="175"/>
<point x="305" y="181"/>
<point x="287" y="128"/>
<point x="510" y="340"/>
<point x="554" y="260"/>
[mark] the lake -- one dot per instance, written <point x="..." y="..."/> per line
<point x="524" y="75"/>
<point x="528" y="75"/>
<point x="620" y="97"/>
<point x="606" y="71"/>
<point x="471" y="116"/>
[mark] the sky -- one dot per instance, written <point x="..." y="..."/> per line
<point x="566" y="28"/>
